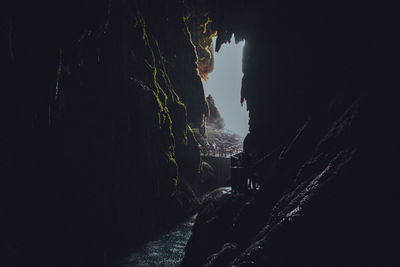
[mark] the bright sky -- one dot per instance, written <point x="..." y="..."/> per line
<point x="224" y="85"/>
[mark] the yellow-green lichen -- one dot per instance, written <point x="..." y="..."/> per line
<point x="189" y="34"/>
<point x="159" y="94"/>
<point x="204" y="26"/>
<point x="169" y="105"/>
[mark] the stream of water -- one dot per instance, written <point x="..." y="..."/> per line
<point x="166" y="251"/>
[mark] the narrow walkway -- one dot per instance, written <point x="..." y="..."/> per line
<point x="167" y="251"/>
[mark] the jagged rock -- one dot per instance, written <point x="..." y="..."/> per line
<point x="217" y="140"/>
<point x="215" y="217"/>
<point x="219" y="258"/>
<point x="326" y="205"/>
<point x="98" y="102"/>
<point x="214" y="117"/>
<point x="326" y="133"/>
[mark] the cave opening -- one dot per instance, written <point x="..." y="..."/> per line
<point x="227" y="120"/>
<point x="103" y="111"/>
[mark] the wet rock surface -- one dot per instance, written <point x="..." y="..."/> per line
<point x="323" y="123"/>
<point x="317" y="203"/>
<point x="212" y="226"/>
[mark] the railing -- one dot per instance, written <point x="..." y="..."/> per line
<point x="242" y="174"/>
<point x="217" y="153"/>
<point x="246" y="171"/>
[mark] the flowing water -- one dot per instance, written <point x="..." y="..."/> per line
<point x="166" y="251"/>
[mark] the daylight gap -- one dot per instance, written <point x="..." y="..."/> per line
<point x="227" y="120"/>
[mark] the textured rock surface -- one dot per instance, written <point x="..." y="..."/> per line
<point x="216" y="136"/>
<point x="98" y="100"/>
<point x="97" y="153"/>
<point x="217" y="211"/>
<point x="213" y="116"/>
<point x="325" y="200"/>
<point x="321" y="105"/>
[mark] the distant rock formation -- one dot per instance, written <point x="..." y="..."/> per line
<point x="213" y="117"/>
<point x="217" y="140"/>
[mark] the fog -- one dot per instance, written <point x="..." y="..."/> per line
<point x="224" y="85"/>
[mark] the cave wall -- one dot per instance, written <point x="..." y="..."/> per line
<point x="98" y="103"/>
<point x="319" y="85"/>
<point x="215" y="173"/>
<point x="308" y="55"/>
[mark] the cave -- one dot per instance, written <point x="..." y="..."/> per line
<point x="104" y="117"/>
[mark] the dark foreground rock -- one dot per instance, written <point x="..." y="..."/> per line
<point x="98" y="102"/>
<point x="326" y="200"/>
<point x="216" y="213"/>
<point x="319" y="85"/>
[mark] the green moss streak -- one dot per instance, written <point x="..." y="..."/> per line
<point x="163" y="89"/>
<point x="188" y="33"/>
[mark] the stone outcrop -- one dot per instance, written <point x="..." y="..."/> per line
<point x="216" y="137"/>
<point x="213" y="116"/>
<point x="323" y="118"/>
<point x="322" y="201"/>
<point x="98" y="103"/>
<point x="218" y="210"/>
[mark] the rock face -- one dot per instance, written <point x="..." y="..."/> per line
<point x="217" y="139"/>
<point x="320" y="202"/>
<point x="218" y="210"/>
<point x="98" y="103"/>
<point x="214" y="117"/>
<point x="323" y="121"/>
<point x="215" y="173"/>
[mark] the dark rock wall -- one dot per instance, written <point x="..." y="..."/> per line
<point x="308" y="54"/>
<point x="97" y="103"/>
<point x="319" y="85"/>
<point x="215" y="173"/>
